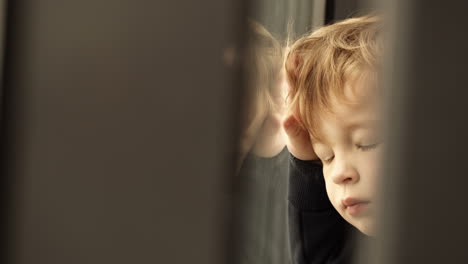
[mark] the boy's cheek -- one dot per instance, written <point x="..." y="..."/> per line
<point x="377" y="163"/>
<point x="332" y="193"/>
<point x="370" y="171"/>
<point x="371" y="163"/>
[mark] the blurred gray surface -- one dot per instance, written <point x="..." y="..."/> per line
<point x="424" y="216"/>
<point x="119" y="131"/>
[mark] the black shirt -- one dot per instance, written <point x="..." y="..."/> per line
<point x="318" y="234"/>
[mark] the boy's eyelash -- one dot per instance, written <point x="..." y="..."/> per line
<point x="364" y="148"/>
<point x="368" y="147"/>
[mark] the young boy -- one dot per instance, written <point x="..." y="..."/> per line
<point x="333" y="136"/>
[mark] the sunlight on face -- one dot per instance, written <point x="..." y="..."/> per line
<point x="350" y="153"/>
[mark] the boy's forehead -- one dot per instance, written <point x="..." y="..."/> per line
<point x="353" y="105"/>
<point x="345" y="117"/>
<point x="361" y="86"/>
<point x="349" y="117"/>
<point x="358" y="101"/>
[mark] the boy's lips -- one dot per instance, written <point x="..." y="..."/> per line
<point x="354" y="206"/>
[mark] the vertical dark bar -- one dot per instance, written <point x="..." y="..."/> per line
<point x="118" y="131"/>
<point x="329" y="12"/>
<point x="424" y="212"/>
<point x="6" y="179"/>
<point x="240" y="42"/>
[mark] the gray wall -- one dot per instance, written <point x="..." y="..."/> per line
<point x="425" y="177"/>
<point x="119" y="131"/>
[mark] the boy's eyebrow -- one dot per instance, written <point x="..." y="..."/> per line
<point x="369" y="123"/>
<point x="362" y="124"/>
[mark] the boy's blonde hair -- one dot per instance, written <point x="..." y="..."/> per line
<point x="319" y="65"/>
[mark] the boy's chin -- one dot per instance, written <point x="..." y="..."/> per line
<point x="366" y="227"/>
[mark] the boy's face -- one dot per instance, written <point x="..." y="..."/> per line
<point x="350" y="153"/>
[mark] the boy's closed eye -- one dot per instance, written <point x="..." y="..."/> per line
<point x="367" y="139"/>
<point x="368" y="146"/>
<point x="326" y="155"/>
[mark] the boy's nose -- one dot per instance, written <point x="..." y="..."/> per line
<point x="345" y="173"/>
